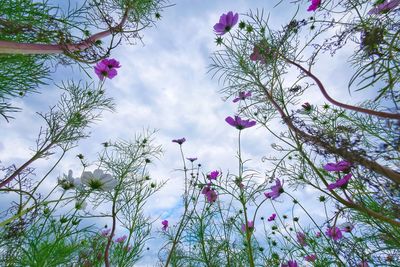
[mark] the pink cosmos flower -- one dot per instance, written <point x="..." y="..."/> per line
<point x="338" y="167"/>
<point x="103" y="71"/>
<point x="290" y="263"/>
<point x="111" y="63"/>
<point x="277" y="189"/>
<point x="310" y="258"/>
<point x="239" y="123"/>
<point x="256" y="55"/>
<point x="242" y="96"/>
<point x="272" y="217"/>
<point x="179" y="141"/>
<point x="250" y="226"/>
<point x="314" y="5"/>
<point x="301" y="238"/>
<point x="384" y="7"/>
<point x="318" y="234"/>
<point x="342" y="183"/>
<point x="213" y="175"/>
<point x="334" y="233"/>
<point x="120" y="239"/>
<point x="165" y="225"/>
<point x="210" y="194"/>
<point x="226" y="22"/>
<point x="363" y="264"/>
<point x="105" y="232"/>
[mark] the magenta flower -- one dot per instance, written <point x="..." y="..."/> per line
<point x="179" y="141"/>
<point x="111" y="63"/>
<point x="226" y="22"/>
<point x="120" y="239"/>
<point x="213" y="175"/>
<point x="334" y="233"/>
<point x="290" y="263"/>
<point x="272" y="217"/>
<point x="165" y="225"/>
<point x="338" y="167"/>
<point x="384" y="7"/>
<point x="342" y="183"/>
<point x="310" y="258"/>
<point x="191" y="159"/>
<point x="256" y="55"/>
<point x="314" y="5"/>
<point x="318" y="234"/>
<point x="103" y="71"/>
<point x="238" y="123"/>
<point x="250" y="226"/>
<point x="210" y="194"/>
<point x="301" y="238"/>
<point x="242" y="96"/>
<point x="277" y="189"/>
<point x="363" y="264"/>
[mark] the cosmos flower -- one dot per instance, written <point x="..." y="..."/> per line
<point x="301" y="238"/>
<point x="272" y="217"/>
<point x="105" y="232"/>
<point x="191" y="159"/>
<point x="68" y="181"/>
<point x="213" y="175"/>
<point x="226" y="22"/>
<point x="290" y="263"/>
<point x="210" y="194"/>
<point x="239" y="123"/>
<point x="250" y="226"/>
<point x="334" y="232"/>
<point x="165" y="225"/>
<point x="384" y="7"/>
<point x="242" y="96"/>
<point x="342" y="183"/>
<point x="107" y="68"/>
<point x="338" y="167"/>
<point x="314" y="5"/>
<point x="179" y="141"/>
<point x="310" y="258"/>
<point x="120" y="239"/>
<point x="277" y="189"/>
<point x="98" y="180"/>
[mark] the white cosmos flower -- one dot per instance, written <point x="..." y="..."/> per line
<point x="68" y="181"/>
<point x="98" y="180"/>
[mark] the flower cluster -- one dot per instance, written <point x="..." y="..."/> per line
<point x="107" y="68"/>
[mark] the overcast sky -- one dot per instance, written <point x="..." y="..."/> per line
<point x="164" y="85"/>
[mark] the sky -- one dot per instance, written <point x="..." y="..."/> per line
<point x="163" y="84"/>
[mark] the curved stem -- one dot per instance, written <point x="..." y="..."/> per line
<point x="346" y="106"/>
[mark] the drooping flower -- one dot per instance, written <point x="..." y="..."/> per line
<point x="272" y="217"/>
<point x="68" y="181"/>
<point x="334" y="232"/>
<point x="226" y="22"/>
<point x="239" y="123"/>
<point x="210" y="194"/>
<point x="314" y="5"/>
<point x="106" y="68"/>
<point x="384" y="7"/>
<point x="120" y="239"/>
<point x="338" y="167"/>
<point x="191" y="159"/>
<point x="277" y="189"/>
<point x="165" y="225"/>
<point x="310" y="258"/>
<point x="291" y="263"/>
<point x="179" y="141"/>
<point x="301" y="238"/>
<point x="213" y="175"/>
<point x="342" y="183"/>
<point x="250" y="226"/>
<point x="242" y="96"/>
<point x="346" y="227"/>
<point x="98" y="180"/>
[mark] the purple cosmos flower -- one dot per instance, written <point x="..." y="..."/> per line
<point x="111" y="63"/>
<point x="290" y="263"/>
<point x="213" y="175"/>
<point x="301" y="238"/>
<point x="310" y="258"/>
<point x="238" y="123"/>
<point x="105" y="232"/>
<point x="191" y="159"/>
<point x="165" y="225"/>
<point x="363" y="264"/>
<point x="272" y="217"/>
<point x="210" y="194"/>
<point x="384" y="7"/>
<point x="103" y="71"/>
<point x="342" y="183"/>
<point x="338" y="167"/>
<point x="314" y="5"/>
<point x="120" y="239"/>
<point x="250" y="226"/>
<point x="179" y="141"/>
<point x="242" y="96"/>
<point x="276" y="190"/>
<point x="226" y="22"/>
<point x="256" y="55"/>
<point x="334" y="233"/>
